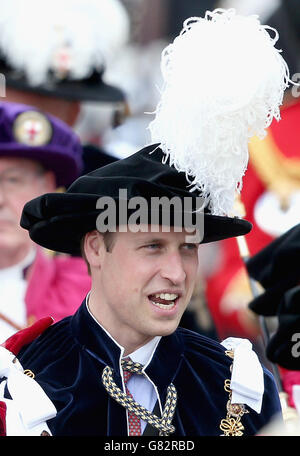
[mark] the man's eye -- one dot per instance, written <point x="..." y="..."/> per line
<point x="152" y="246"/>
<point x="13" y="179"/>
<point x="190" y="246"/>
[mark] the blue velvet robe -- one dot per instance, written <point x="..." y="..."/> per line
<point x="69" y="357"/>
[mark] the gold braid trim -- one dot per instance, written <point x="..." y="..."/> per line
<point x="163" y="424"/>
<point x="232" y="425"/>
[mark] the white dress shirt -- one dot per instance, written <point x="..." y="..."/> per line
<point x="140" y="386"/>
<point x="142" y="390"/>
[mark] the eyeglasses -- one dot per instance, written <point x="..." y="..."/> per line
<point x="14" y="180"/>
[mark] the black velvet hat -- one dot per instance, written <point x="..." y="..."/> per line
<point x="95" y="157"/>
<point x="199" y="136"/>
<point x="284" y="346"/>
<point x="63" y="49"/>
<point x="58" y="221"/>
<point x="91" y="88"/>
<point x="276" y="268"/>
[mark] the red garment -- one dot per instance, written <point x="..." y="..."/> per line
<point x="57" y="286"/>
<point x="286" y="149"/>
<point x="2" y="419"/>
<point x="133" y="420"/>
<point x="14" y="344"/>
<point x="23" y="337"/>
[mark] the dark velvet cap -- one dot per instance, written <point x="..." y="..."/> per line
<point x="276" y="268"/>
<point x="283" y="347"/>
<point x="91" y="88"/>
<point x="59" y="221"/>
<point x="26" y="132"/>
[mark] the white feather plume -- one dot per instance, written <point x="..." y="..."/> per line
<point x="224" y="81"/>
<point x="32" y="31"/>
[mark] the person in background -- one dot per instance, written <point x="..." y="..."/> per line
<point x="38" y="153"/>
<point x="275" y="268"/>
<point x="66" y="75"/>
<point x="144" y="263"/>
<point x="270" y="196"/>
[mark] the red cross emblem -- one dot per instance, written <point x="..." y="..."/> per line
<point x="32" y="129"/>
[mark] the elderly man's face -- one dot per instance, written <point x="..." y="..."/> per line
<point x="145" y="284"/>
<point x="20" y="181"/>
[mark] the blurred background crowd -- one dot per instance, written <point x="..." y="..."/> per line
<point x="81" y="81"/>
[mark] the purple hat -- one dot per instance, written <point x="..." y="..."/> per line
<point x="26" y="132"/>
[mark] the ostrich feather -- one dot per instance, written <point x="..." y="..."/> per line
<point x="224" y="82"/>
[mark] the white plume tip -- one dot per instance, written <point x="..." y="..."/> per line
<point x="224" y="81"/>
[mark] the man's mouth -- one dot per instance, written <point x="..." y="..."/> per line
<point x="164" y="300"/>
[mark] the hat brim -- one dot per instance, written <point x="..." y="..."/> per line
<point x="59" y="221"/>
<point x="71" y="90"/>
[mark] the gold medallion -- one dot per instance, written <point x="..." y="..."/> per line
<point x="32" y="128"/>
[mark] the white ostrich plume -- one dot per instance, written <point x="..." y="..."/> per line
<point x="224" y="81"/>
<point x="34" y="32"/>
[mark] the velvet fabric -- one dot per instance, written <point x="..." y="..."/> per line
<point x="283" y="347"/>
<point x="91" y="88"/>
<point x="62" y="153"/>
<point x="69" y="357"/>
<point x="59" y="221"/>
<point x="95" y="157"/>
<point x="276" y="268"/>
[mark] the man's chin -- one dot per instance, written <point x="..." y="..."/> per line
<point x="164" y="329"/>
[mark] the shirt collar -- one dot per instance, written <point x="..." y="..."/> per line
<point x="96" y="341"/>
<point x="142" y="355"/>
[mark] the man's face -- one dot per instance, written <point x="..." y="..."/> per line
<point x="20" y="181"/>
<point x="145" y="284"/>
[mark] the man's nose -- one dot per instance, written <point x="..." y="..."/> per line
<point x="173" y="268"/>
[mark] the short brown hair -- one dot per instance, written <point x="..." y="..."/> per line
<point x="108" y="239"/>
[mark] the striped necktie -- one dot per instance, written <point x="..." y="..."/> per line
<point x="134" y="421"/>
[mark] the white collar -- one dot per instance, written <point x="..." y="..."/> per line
<point x="144" y="354"/>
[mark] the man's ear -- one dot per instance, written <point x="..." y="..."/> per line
<point x="94" y="248"/>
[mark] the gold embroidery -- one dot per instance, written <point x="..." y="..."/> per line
<point x="231" y="425"/>
<point x="227" y="385"/>
<point x="229" y="353"/>
<point x="29" y="373"/>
